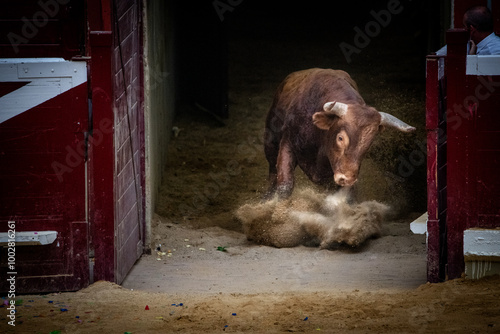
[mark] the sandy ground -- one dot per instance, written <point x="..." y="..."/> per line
<point x="203" y="275"/>
<point x="457" y="306"/>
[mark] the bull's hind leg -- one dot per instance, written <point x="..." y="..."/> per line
<point x="282" y="163"/>
<point x="272" y="140"/>
<point x="271" y="190"/>
<point x="285" y="166"/>
<point x="271" y="150"/>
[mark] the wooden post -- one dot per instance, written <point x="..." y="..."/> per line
<point x="458" y="124"/>
<point x="432" y="126"/>
<point x="101" y="158"/>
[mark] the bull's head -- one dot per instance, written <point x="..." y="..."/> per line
<point x="351" y="129"/>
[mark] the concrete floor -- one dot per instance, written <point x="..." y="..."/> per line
<point x="265" y="275"/>
<point x="392" y="262"/>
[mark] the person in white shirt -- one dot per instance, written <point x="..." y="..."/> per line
<point x="479" y="23"/>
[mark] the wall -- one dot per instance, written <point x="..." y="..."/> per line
<point x="159" y="95"/>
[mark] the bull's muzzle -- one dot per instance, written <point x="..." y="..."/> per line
<point x="344" y="180"/>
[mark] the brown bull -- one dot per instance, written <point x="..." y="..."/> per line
<point x="319" y="121"/>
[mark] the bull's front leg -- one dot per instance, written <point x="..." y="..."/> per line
<point x="285" y="169"/>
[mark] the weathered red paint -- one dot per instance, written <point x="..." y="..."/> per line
<point x="101" y="158"/>
<point x="458" y="151"/>
<point x="37" y="199"/>
<point x="432" y="125"/>
<point x="33" y="29"/>
<point x="32" y="194"/>
<point x="484" y="185"/>
<point x="468" y="164"/>
<point x="117" y="165"/>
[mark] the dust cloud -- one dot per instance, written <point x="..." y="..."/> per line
<point x="313" y="219"/>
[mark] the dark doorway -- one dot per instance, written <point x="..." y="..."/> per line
<point x="202" y="57"/>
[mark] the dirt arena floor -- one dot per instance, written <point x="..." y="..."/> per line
<point x="457" y="306"/>
<point x="204" y="276"/>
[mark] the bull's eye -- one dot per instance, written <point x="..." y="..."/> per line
<point x="342" y="139"/>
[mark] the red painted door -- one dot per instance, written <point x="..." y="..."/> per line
<point x="43" y="124"/>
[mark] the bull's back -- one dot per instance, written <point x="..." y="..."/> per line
<point x="305" y="92"/>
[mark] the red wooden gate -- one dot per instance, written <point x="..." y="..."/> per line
<point x="43" y="128"/>
<point x="42" y="170"/>
<point x="72" y="162"/>
<point x="463" y="155"/>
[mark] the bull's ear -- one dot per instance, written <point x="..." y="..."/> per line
<point x="322" y="120"/>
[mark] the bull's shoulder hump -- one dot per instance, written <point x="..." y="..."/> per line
<point x="300" y="75"/>
<point x="345" y="76"/>
<point x="317" y="73"/>
<point x="337" y="73"/>
<point x="330" y="72"/>
<point x="318" y="82"/>
<point x="332" y="75"/>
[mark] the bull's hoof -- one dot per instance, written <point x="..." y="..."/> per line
<point x="268" y="195"/>
<point x="280" y="192"/>
<point x="284" y="191"/>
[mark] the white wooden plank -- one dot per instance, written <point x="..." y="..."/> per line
<point x="482" y="242"/>
<point x="47" y="80"/>
<point x="30" y="238"/>
<point x="483" y="65"/>
<point x="419" y="225"/>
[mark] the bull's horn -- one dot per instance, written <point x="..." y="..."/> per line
<point x="394" y="122"/>
<point x="336" y="108"/>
